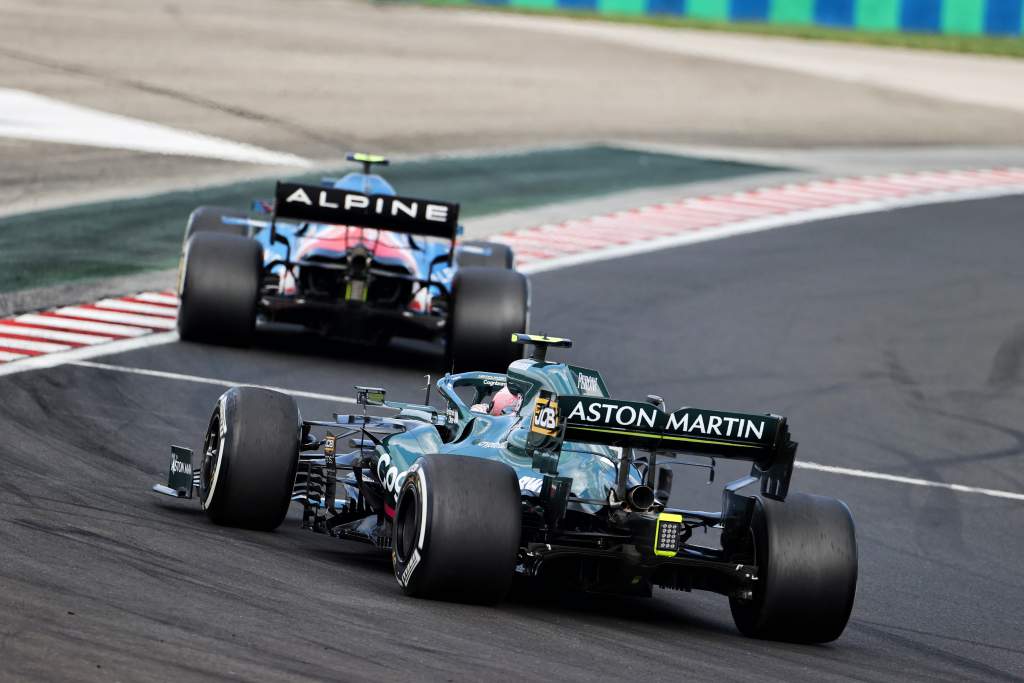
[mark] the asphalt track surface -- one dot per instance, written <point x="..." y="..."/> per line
<point x="893" y="341"/>
<point x="319" y="78"/>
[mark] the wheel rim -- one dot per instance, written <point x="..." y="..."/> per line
<point x="211" y="453"/>
<point x="407" y="524"/>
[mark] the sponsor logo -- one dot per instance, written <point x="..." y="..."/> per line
<point x="391" y="207"/>
<point x="545" y="417"/>
<point x="409" y="568"/>
<point x="488" y="444"/>
<point x="588" y="385"/>
<point x="389" y="474"/>
<point x="646" y="418"/>
<point x="622" y="415"/>
<point x="716" y="425"/>
<point x="179" y="467"/>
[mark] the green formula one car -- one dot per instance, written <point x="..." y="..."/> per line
<point x="537" y="473"/>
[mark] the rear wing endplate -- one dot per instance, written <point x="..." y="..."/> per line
<point x="316" y="204"/>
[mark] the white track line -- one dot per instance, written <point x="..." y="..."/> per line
<point x="54" y="359"/>
<point x="913" y="481"/>
<point x="82" y="325"/>
<point x="28" y="116"/>
<point x="5" y="356"/>
<point x="116" y="317"/>
<point x="136" y="307"/>
<point x="207" y="380"/>
<point x="55" y="335"/>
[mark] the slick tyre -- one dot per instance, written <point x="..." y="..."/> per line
<point x="456" y="530"/>
<point x="484" y="254"/>
<point x="210" y="219"/>
<point x="219" y="287"/>
<point x="249" y="458"/>
<point x="806" y="552"/>
<point x="488" y="305"/>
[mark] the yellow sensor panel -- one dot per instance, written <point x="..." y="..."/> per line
<point x="668" y="531"/>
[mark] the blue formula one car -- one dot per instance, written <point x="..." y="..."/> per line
<point x="352" y="260"/>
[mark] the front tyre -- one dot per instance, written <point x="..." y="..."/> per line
<point x="805" y="549"/>
<point x="456" y="529"/>
<point x="250" y="454"/>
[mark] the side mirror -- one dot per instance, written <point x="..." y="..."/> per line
<point x="370" y="396"/>
<point x="261" y="206"/>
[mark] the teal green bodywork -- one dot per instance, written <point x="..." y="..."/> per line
<point x="592" y="467"/>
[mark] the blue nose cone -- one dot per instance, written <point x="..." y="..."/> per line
<point x="366" y="183"/>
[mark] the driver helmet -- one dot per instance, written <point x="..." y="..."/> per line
<point x="504" y="400"/>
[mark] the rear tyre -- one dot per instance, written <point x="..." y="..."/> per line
<point x="484" y="254"/>
<point x="488" y="305"/>
<point x="456" y="530"/>
<point x="250" y="454"/>
<point x="210" y="219"/>
<point x="219" y="288"/>
<point x="806" y="552"/>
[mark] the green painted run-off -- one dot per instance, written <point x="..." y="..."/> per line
<point x="121" y="238"/>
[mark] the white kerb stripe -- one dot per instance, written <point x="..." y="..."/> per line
<point x="117" y="317"/>
<point x="136" y="307"/>
<point x="715" y="232"/>
<point x="29" y="345"/>
<point x="82" y="325"/>
<point x="55" y="335"/>
<point x="157" y="298"/>
<point x="913" y="481"/>
<point x="5" y="356"/>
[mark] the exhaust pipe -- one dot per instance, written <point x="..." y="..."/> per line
<point x="640" y="497"/>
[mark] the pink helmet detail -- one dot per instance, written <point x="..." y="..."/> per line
<point x="502" y="400"/>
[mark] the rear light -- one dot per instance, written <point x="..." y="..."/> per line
<point x="668" y="534"/>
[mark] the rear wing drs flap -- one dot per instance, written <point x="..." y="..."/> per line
<point x="318" y="204"/>
<point x="761" y="439"/>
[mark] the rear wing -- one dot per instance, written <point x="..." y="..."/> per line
<point x="760" y="439"/>
<point x="317" y="204"/>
